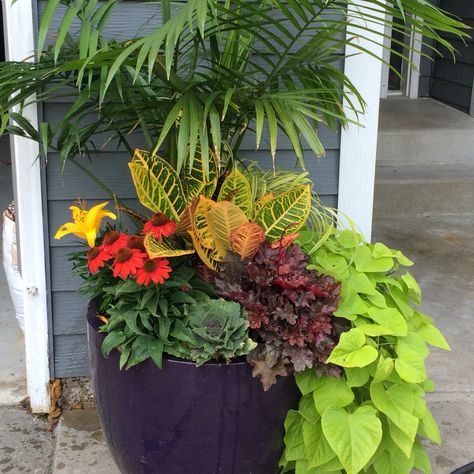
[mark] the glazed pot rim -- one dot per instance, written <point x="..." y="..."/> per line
<point x="94" y="322"/>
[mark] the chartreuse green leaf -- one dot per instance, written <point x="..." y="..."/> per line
<point x="393" y="462"/>
<point x="406" y="262"/>
<point x="429" y="429"/>
<point x="306" y="381"/>
<point x="421" y="459"/>
<point x="331" y="263"/>
<point x="413" y="287"/>
<point x="400" y="300"/>
<point x="381" y="250"/>
<point x="357" y="376"/>
<point x="365" y="262"/>
<point x="334" y="466"/>
<point x="391" y="319"/>
<point x="378" y="299"/>
<point x="331" y="392"/>
<point x="318" y="451"/>
<point x="354" y="437"/>
<point x="307" y="409"/>
<point x="395" y="405"/>
<point x="432" y="335"/>
<point x="410" y="364"/>
<point x="351" y="304"/>
<point x="360" y="282"/>
<point x="352" y="350"/>
<point x="294" y="443"/>
<point x="384" y="369"/>
<point x="401" y="439"/>
<point x="373" y="330"/>
<point x="349" y="239"/>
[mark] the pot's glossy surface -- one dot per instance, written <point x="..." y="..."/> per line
<point x="187" y="420"/>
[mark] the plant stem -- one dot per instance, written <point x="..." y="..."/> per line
<point x="166" y="10"/>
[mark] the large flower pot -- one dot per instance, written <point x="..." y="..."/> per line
<point x="188" y="420"/>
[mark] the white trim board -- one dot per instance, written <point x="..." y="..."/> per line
<point x="359" y="142"/>
<point x="20" y="41"/>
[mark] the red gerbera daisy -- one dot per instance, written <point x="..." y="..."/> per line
<point x="127" y="261"/>
<point x="96" y="258"/>
<point x="114" y="241"/>
<point x="154" y="270"/>
<point x="160" y="226"/>
<point x="136" y="242"/>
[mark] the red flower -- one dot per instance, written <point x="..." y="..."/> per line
<point x="136" y="242"/>
<point x="114" y="241"/>
<point x="127" y="262"/>
<point x="96" y="258"/>
<point x="154" y="270"/>
<point x="160" y="226"/>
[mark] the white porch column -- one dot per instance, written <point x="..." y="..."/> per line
<point x="359" y="143"/>
<point x="20" y="45"/>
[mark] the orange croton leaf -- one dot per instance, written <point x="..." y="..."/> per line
<point x="246" y="239"/>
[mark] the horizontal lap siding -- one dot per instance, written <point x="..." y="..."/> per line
<point x="452" y="81"/>
<point x="67" y="305"/>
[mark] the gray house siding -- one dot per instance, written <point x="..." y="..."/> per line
<point x="453" y="80"/>
<point x="67" y="305"/>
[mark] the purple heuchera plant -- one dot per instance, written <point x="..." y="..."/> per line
<point x="289" y="309"/>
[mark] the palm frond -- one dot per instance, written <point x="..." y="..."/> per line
<point x="210" y="73"/>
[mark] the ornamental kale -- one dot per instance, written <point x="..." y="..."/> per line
<point x="217" y="330"/>
<point x="289" y="308"/>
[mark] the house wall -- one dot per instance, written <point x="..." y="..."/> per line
<point x="67" y="306"/>
<point x="453" y="79"/>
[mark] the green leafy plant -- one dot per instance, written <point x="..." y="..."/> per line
<point x="209" y="74"/>
<point x="218" y="330"/>
<point x="374" y="417"/>
<point x="143" y="321"/>
<point x="234" y="221"/>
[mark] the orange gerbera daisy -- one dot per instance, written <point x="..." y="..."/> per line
<point x="160" y="226"/>
<point x="127" y="262"/>
<point x="96" y="258"/>
<point x="136" y="242"/>
<point x="113" y="241"/>
<point x="154" y="270"/>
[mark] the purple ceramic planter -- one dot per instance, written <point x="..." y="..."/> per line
<point x="188" y="420"/>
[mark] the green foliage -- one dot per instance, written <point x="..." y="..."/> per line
<point x="144" y="322"/>
<point x="210" y="224"/>
<point x="216" y="330"/>
<point x="207" y="75"/>
<point x="375" y="416"/>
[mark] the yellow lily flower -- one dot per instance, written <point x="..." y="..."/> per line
<point x="86" y="222"/>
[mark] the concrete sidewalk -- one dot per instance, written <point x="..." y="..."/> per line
<point x="443" y="250"/>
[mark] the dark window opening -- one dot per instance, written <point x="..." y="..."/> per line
<point x="396" y="62"/>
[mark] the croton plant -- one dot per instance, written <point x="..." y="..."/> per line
<point x="230" y="263"/>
